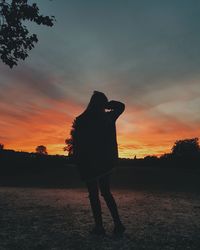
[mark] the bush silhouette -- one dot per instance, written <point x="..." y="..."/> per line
<point x="42" y="150"/>
<point x="69" y="141"/>
<point x="15" y="39"/>
<point x="187" y="148"/>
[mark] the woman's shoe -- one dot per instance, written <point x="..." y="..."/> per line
<point x="98" y="230"/>
<point x="119" y="229"/>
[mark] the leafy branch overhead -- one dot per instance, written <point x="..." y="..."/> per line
<point x="15" y="38"/>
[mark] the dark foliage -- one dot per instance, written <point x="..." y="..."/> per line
<point x="10" y="155"/>
<point x="187" y="148"/>
<point x="166" y="156"/>
<point x="69" y="146"/>
<point x="12" y="161"/>
<point x="33" y="169"/>
<point x="15" y="160"/>
<point x="15" y="38"/>
<point x="150" y="157"/>
<point x="41" y="150"/>
<point x="1" y="146"/>
<point x="69" y="141"/>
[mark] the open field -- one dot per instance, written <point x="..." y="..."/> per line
<point x="35" y="218"/>
<point x="45" y="208"/>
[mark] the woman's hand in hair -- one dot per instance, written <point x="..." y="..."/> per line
<point x="115" y="104"/>
<point x="116" y="108"/>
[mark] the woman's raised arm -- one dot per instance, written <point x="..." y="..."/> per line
<point x="116" y="107"/>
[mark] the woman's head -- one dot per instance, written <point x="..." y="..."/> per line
<point x="97" y="102"/>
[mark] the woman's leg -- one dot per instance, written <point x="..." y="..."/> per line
<point x="104" y="185"/>
<point x="92" y="187"/>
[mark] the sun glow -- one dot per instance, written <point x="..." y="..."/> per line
<point x="50" y="126"/>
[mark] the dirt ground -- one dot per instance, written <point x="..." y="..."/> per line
<point x="59" y="219"/>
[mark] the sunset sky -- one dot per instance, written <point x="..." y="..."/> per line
<point x="143" y="53"/>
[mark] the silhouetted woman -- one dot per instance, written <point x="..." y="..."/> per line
<point x="95" y="152"/>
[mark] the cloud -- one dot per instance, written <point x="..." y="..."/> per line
<point x="35" y="81"/>
<point x="143" y="53"/>
<point x="48" y="126"/>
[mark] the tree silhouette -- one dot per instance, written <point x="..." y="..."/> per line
<point x="187" y="148"/>
<point x="69" y="146"/>
<point x="42" y="150"/>
<point x="151" y="157"/>
<point x="70" y="141"/>
<point x="15" y="39"/>
<point x="1" y="146"/>
<point x="166" y="156"/>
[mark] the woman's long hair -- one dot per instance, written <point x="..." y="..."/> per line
<point x="97" y="103"/>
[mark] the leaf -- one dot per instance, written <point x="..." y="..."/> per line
<point x="14" y="35"/>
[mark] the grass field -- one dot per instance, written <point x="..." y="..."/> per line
<point x="50" y="210"/>
<point x="35" y="218"/>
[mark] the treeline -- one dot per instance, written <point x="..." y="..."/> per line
<point x="14" y="161"/>
<point x="184" y="153"/>
<point x="34" y="169"/>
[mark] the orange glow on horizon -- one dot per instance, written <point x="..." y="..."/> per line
<point x="50" y="126"/>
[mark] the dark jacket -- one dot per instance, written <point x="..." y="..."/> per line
<point x="95" y="148"/>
